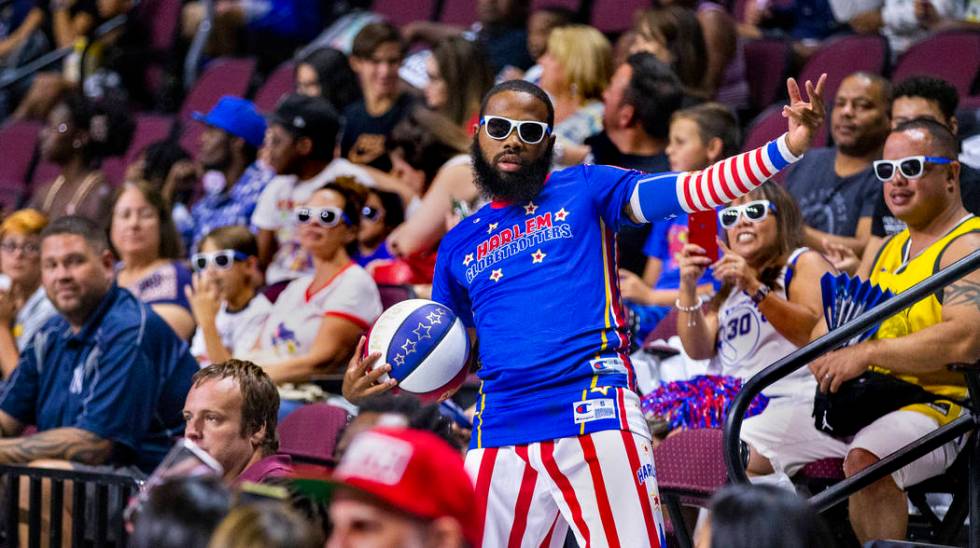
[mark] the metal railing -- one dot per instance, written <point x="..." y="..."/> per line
<point x="53" y="57"/>
<point x="96" y="504"/>
<point x="834" y="339"/>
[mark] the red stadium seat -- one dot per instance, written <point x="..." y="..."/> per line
<point x="309" y="434"/>
<point x="150" y="128"/>
<point x="161" y="19"/>
<point x="768" y="60"/>
<point x="573" y="5"/>
<point x="223" y="76"/>
<point x="953" y="56"/>
<point x="44" y="172"/>
<point x="400" y="12"/>
<point x="458" y="12"/>
<point x="842" y="56"/>
<point x="18" y="142"/>
<point x="611" y="16"/>
<point x="277" y="84"/>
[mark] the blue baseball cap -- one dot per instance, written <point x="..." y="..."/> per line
<point x="238" y="117"/>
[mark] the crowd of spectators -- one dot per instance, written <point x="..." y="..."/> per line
<point x="209" y="292"/>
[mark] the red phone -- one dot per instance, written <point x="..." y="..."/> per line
<point x="702" y="230"/>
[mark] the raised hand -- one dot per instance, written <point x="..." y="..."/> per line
<point x="204" y="298"/>
<point x="805" y="117"/>
<point x="692" y="264"/>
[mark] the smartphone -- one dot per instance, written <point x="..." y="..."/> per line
<point x="702" y="230"/>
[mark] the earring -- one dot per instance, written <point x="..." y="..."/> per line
<point x="77" y="143"/>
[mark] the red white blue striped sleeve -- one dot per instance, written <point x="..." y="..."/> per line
<point x="720" y="183"/>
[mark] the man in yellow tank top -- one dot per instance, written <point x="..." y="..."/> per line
<point x="921" y="187"/>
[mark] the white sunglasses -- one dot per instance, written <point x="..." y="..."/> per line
<point x="755" y="211"/>
<point x="222" y="259"/>
<point x="911" y="167"/>
<point x="530" y="131"/>
<point x="323" y="216"/>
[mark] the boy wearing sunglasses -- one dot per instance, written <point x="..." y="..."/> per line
<point x="228" y="310"/>
<point x="558" y="429"/>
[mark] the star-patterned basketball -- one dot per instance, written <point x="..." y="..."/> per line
<point x="425" y="344"/>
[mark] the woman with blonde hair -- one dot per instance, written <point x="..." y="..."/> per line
<point x="575" y="71"/>
<point x="267" y="524"/>
<point x="24" y="306"/>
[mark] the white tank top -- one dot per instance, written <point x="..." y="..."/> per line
<point x="747" y="343"/>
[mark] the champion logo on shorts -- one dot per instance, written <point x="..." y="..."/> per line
<point x="594" y="410"/>
<point x="604" y="366"/>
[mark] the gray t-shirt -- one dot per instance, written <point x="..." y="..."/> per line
<point x="830" y="203"/>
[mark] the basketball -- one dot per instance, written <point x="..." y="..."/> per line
<point x="425" y="344"/>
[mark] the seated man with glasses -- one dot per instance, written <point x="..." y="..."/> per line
<point x="227" y="309"/>
<point x="920" y="179"/>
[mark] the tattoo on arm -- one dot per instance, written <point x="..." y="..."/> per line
<point x="963" y="293"/>
<point x="72" y="444"/>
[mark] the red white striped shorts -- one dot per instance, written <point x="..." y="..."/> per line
<point x="602" y="485"/>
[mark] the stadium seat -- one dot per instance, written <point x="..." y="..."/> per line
<point x="400" y="12"/>
<point x="842" y="56"/>
<point x="769" y="59"/>
<point x="225" y="76"/>
<point x="770" y="124"/>
<point x="44" y="172"/>
<point x="149" y="129"/>
<point x="690" y="469"/>
<point x="945" y="55"/>
<point x="614" y="16"/>
<point x="394" y="294"/>
<point x="458" y="12"/>
<point x="574" y="5"/>
<point x="309" y="434"/>
<point x="161" y="18"/>
<point x="277" y="84"/>
<point x="18" y="142"/>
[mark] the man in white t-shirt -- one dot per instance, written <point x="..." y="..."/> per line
<point x="228" y="311"/>
<point x="300" y="141"/>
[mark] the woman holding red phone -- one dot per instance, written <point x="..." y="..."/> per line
<point x="768" y="304"/>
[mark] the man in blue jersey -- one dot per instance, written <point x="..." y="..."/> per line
<point x="559" y="439"/>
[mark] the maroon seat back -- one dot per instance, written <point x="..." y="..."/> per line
<point x="309" y="434"/>
<point x="692" y="462"/>
<point x="840" y="57"/>
<point x="458" y="12"/>
<point x="823" y="469"/>
<point x="277" y="84"/>
<point x="768" y="59"/>
<point x="224" y="76"/>
<point x="612" y="16"/>
<point x="953" y="56"/>
<point x="18" y="142"/>
<point x="400" y="12"/>
<point x="394" y="294"/>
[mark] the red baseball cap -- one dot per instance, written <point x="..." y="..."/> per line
<point x="414" y="471"/>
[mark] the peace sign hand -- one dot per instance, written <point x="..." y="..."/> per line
<point x="805" y="118"/>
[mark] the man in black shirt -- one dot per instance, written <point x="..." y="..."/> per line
<point x="376" y="54"/>
<point x="642" y="96"/>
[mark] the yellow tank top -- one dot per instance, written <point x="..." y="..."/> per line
<point x="893" y="269"/>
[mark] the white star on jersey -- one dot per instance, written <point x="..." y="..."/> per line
<point x="468" y="259"/>
<point x="496" y="275"/>
<point x="530" y="208"/>
<point x="538" y="256"/>
<point x="491" y="228"/>
<point x="561" y="214"/>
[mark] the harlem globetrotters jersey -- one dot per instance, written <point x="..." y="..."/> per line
<point x="538" y="281"/>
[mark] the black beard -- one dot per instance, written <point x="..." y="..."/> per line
<point x="517" y="187"/>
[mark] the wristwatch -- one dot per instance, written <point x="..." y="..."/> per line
<point x="760" y="294"/>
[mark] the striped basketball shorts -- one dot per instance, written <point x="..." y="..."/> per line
<point x="603" y="485"/>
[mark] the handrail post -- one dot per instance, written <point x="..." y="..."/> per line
<point x="198" y="44"/>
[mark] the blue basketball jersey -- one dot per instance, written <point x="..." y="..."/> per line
<point x="538" y="281"/>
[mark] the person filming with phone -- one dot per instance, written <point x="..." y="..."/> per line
<point x="768" y="304"/>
